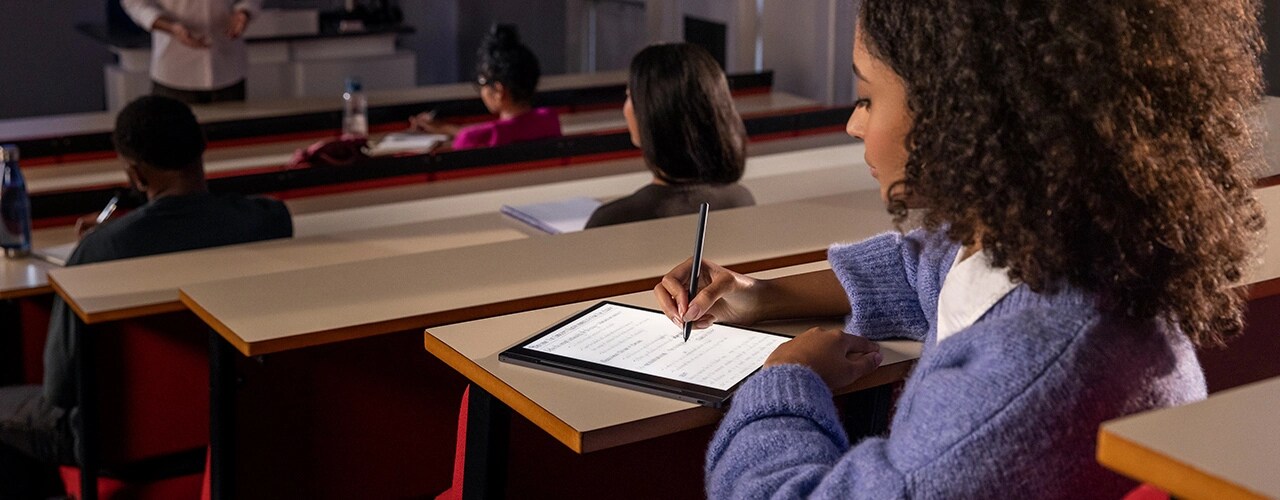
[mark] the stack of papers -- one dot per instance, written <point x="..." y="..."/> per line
<point x="555" y="217"/>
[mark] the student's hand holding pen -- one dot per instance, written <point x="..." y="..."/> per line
<point x="427" y="122"/>
<point x="725" y="296"/>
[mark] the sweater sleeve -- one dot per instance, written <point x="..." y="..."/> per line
<point x="892" y="281"/>
<point x="782" y="438"/>
<point x="970" y="426"/>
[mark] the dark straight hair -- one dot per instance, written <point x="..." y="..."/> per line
<point x="689" y="129"/>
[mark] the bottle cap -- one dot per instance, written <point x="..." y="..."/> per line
<point x="8" y="152"/>
<point x="353" y="84"/>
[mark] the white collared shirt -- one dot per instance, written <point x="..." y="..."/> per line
<point x="969" y="290"/>
<point x="175" y="65"/>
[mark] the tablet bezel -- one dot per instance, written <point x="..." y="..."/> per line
<point x="652" y="384"/>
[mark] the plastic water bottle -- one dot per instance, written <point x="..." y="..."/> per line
<point x="15" y="206"/>
<point x="355" y="110"/>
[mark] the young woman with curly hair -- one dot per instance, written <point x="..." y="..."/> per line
<point x="1084" y="166"/>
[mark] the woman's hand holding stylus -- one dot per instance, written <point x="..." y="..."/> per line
<point x="724" y="296"/>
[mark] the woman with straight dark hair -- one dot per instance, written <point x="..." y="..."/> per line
<point x="507" y="77"/>
<point x="681" y="115"/>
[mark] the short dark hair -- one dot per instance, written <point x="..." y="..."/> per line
<point x="689" y="129"/>
<point x="159" y="132"/>
<point x="505" y="60"/>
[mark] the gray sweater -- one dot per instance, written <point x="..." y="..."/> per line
<point x="1007" y="408"/>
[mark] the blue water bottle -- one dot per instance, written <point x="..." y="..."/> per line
<point x="15" y="206"/>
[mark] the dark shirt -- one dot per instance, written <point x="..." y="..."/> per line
<point x="656" y="201"/>
<point x="168" y="224"/>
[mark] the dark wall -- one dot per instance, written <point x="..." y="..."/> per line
<point x="541" y="24"/>
<point x="48" y="67"/>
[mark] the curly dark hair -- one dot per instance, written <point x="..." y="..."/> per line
<point x="505" y="60"/>
<point x="159" y="132"/>
<point x="1101" y="144"/>
<point x="690" y="132"/>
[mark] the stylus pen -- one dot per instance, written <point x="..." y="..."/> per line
<point x="697" y="262"/>
<point x="109" y="209"/>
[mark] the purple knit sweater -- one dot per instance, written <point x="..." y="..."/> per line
<point x="1007" y="408"/>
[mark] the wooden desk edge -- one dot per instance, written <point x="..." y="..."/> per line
<point x="19" y="293"/>
<point x="1180" y="480"/>
<point x="558" y="429"/>
<point x="1263" y="289"/>
<point x="114" y="314"/>
<point x="632" y="432"/>
<point x="441" y="318"/>
<point x="213" y="323"/>
<point x="696" y="417"/>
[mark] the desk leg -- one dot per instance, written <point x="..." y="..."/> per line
<point x="484" y="475"/>
<point x="867" y="412"/>
<point x="222" y="398"/>
<point x="87" y="394"/>
<point x="11" y="364"/>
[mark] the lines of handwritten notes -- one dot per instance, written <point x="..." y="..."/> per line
<point x="646" y="342"/>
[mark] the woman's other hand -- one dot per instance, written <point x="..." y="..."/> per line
<point x="838" y="357"/>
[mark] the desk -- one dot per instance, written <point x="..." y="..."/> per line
<point x="1227" y="446"/>
<point x="831" y="161"/>
<point x="309" y="307"/>
<point x="108" y="291"/>
<point x="1263" y="278"/>
<point x="293" y="313"/>
<point x="25" y="277"/>
<point x="59" y="130"/>
<point x="589" y="416"/>
<point x="573" y="171"/>
<point x="243" y="159"/>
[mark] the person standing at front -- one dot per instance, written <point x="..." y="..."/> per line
<point x="198" y="54"/>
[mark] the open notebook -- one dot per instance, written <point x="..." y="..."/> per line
<point x="555" y="217"/>
<point x="406" y="142"/>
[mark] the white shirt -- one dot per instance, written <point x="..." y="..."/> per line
<point x="971" y="287"/>
<point x="175" y="65"/>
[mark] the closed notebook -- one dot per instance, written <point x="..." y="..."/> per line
<point x="555" y="217"/>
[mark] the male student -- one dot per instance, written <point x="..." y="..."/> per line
<point x="162" y="147"/>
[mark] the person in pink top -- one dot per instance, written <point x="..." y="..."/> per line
<point x="507" y="76"/>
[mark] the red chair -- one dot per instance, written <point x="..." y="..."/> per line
<point x="1147" y="492"/>
<point x="460" y="452"/>
<point x="151" y="429"/>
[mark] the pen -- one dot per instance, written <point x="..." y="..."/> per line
<point x="109" y="209"/>
<point x="697" y="261"/>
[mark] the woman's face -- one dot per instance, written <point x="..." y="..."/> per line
<point x="629" y="111"/>
<point x="880" y="118"/>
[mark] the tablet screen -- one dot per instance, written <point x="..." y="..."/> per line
<point x="644" y="341"/>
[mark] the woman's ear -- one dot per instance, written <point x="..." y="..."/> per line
<point x="499" y="91"/>
<point x="136" y="178"/>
